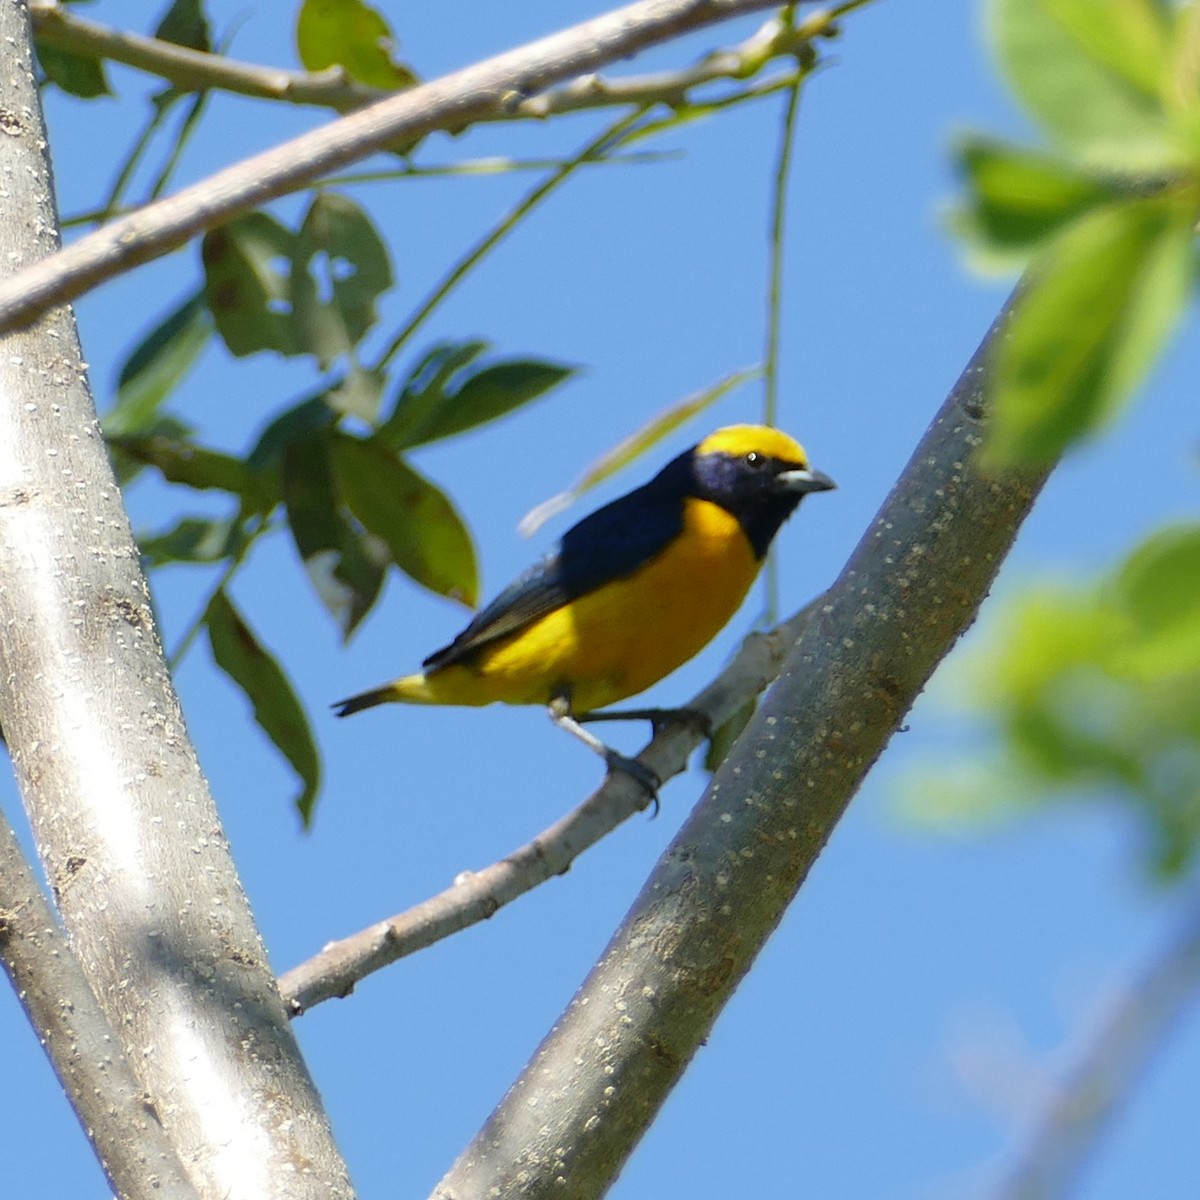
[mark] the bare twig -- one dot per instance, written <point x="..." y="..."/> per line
<point x="1106" y="1069"/>
<point x="478" y="895"/>
<point x="490" y="90"/>
<point x="194" y="70"/>
<point x="137" y="1156"/>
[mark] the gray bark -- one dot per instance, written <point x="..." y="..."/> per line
<point x="125" y="825"/>
<point x="912" y="586"/>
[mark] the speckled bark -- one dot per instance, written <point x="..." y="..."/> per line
<point x="913" y="585"/>
<point x="126" y="829"/>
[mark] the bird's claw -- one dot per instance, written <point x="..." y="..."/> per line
<point x="638" y="772"/>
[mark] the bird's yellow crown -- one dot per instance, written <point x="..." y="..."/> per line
<point x="737" y="440"/>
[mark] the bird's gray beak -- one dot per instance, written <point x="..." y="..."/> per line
<point x="805" y="481"/>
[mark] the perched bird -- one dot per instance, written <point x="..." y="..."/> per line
<point x="633" y="591"/>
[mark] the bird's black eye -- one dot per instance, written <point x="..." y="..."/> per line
<point x="753" y="459"/>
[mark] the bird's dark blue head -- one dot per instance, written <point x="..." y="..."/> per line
<point x="752" y="471"/>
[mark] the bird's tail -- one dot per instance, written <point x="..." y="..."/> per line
<point x="411" y="689"/>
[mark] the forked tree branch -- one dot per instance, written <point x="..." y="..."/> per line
<point x="478" y="895"/>
<point x="912" y="586"/>
<point x="486" y="90"/>
<point x="117" y="1116"/>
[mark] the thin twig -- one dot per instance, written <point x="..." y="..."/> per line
<point x="488" y="89"/>
<point x="1102" y="1079"/>
<point x="478" y="895"/>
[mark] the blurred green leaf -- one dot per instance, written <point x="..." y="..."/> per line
<point x="426" y="536"/>
<point x="243" y="658"/>
<point x="634" y="446"/>
<point x="157" y="364"/>
<point x="1129" y="37"/>
<point x="1018" y="197"/>
<point x="345" y="568"/>
<point x="339" y="269"/>
<point x="185" y="24"/>
<point x="75" y="74"/>
<point x="1159" y="589"/>
<point x="192" y="540"/>
<point x="1048" y="49"/>
<point x="351" y="35"/>
<point x="247" y="284"/>
<point x="1101" y="301"/>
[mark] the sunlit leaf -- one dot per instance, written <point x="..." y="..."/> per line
<point x="426" y="536"/>
<point x="1084" y="104"/>
<point x="1159" y="589"/>
<point x="1101" y="302"/>
<point x="1129" y="37"/>
<point x="239" y="653"/>
<point x="157" y="364"/>
<point x="179" y="460"/>
<point x="1018" y="197"/>
<point x="354" y="36"/>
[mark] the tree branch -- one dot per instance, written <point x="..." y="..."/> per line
<point x="194" y="70"/>
<point x="125" y="826"/>
<point x="912" y="586"/>
<point x="137" y="1156"/>
<point x="1107" y="1067"/>
<point x="478" y="895"/>
<point x="488" y="90"/>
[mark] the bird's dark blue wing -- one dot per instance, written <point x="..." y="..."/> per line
<point x="609" y="544"/>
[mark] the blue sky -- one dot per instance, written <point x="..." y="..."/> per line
<point x="896" y="1031"/>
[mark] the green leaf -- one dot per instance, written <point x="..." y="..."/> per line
<point x="354" y="36"/>
<point x="1019" y="197"/>
<point x="444" y="397"/>
<point x="310" y="415"/>
<point x="246" y="284"/>
<point x="426" y="536"/>
<point x="243" y="658"/>
<point x="634" y="446"/>
<point x="185" y="24"/>
<point x="157" y="364"/>
<point x="346" y="569"/>
<point x="1101" y="302"/>
<point x="1084" y="105"/>
<point x="192" y="540"/>
<point x="491" y="393"/>
<point x="179" y="460"/>
<point x="339" y="269"/>
<point x="75" y="74"/>
<point x="1159" y="589"/>
<point x="425" y="390"/>
<point x="1131" y="38"/>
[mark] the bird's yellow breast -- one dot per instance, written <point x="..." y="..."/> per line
<point x="626" y="635"/>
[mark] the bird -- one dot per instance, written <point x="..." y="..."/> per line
<point x="631" y="592"/>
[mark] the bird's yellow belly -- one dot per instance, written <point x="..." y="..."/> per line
<point x="628" y="634"/>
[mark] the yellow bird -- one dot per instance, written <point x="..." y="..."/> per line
<point x="632" y="591"/>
